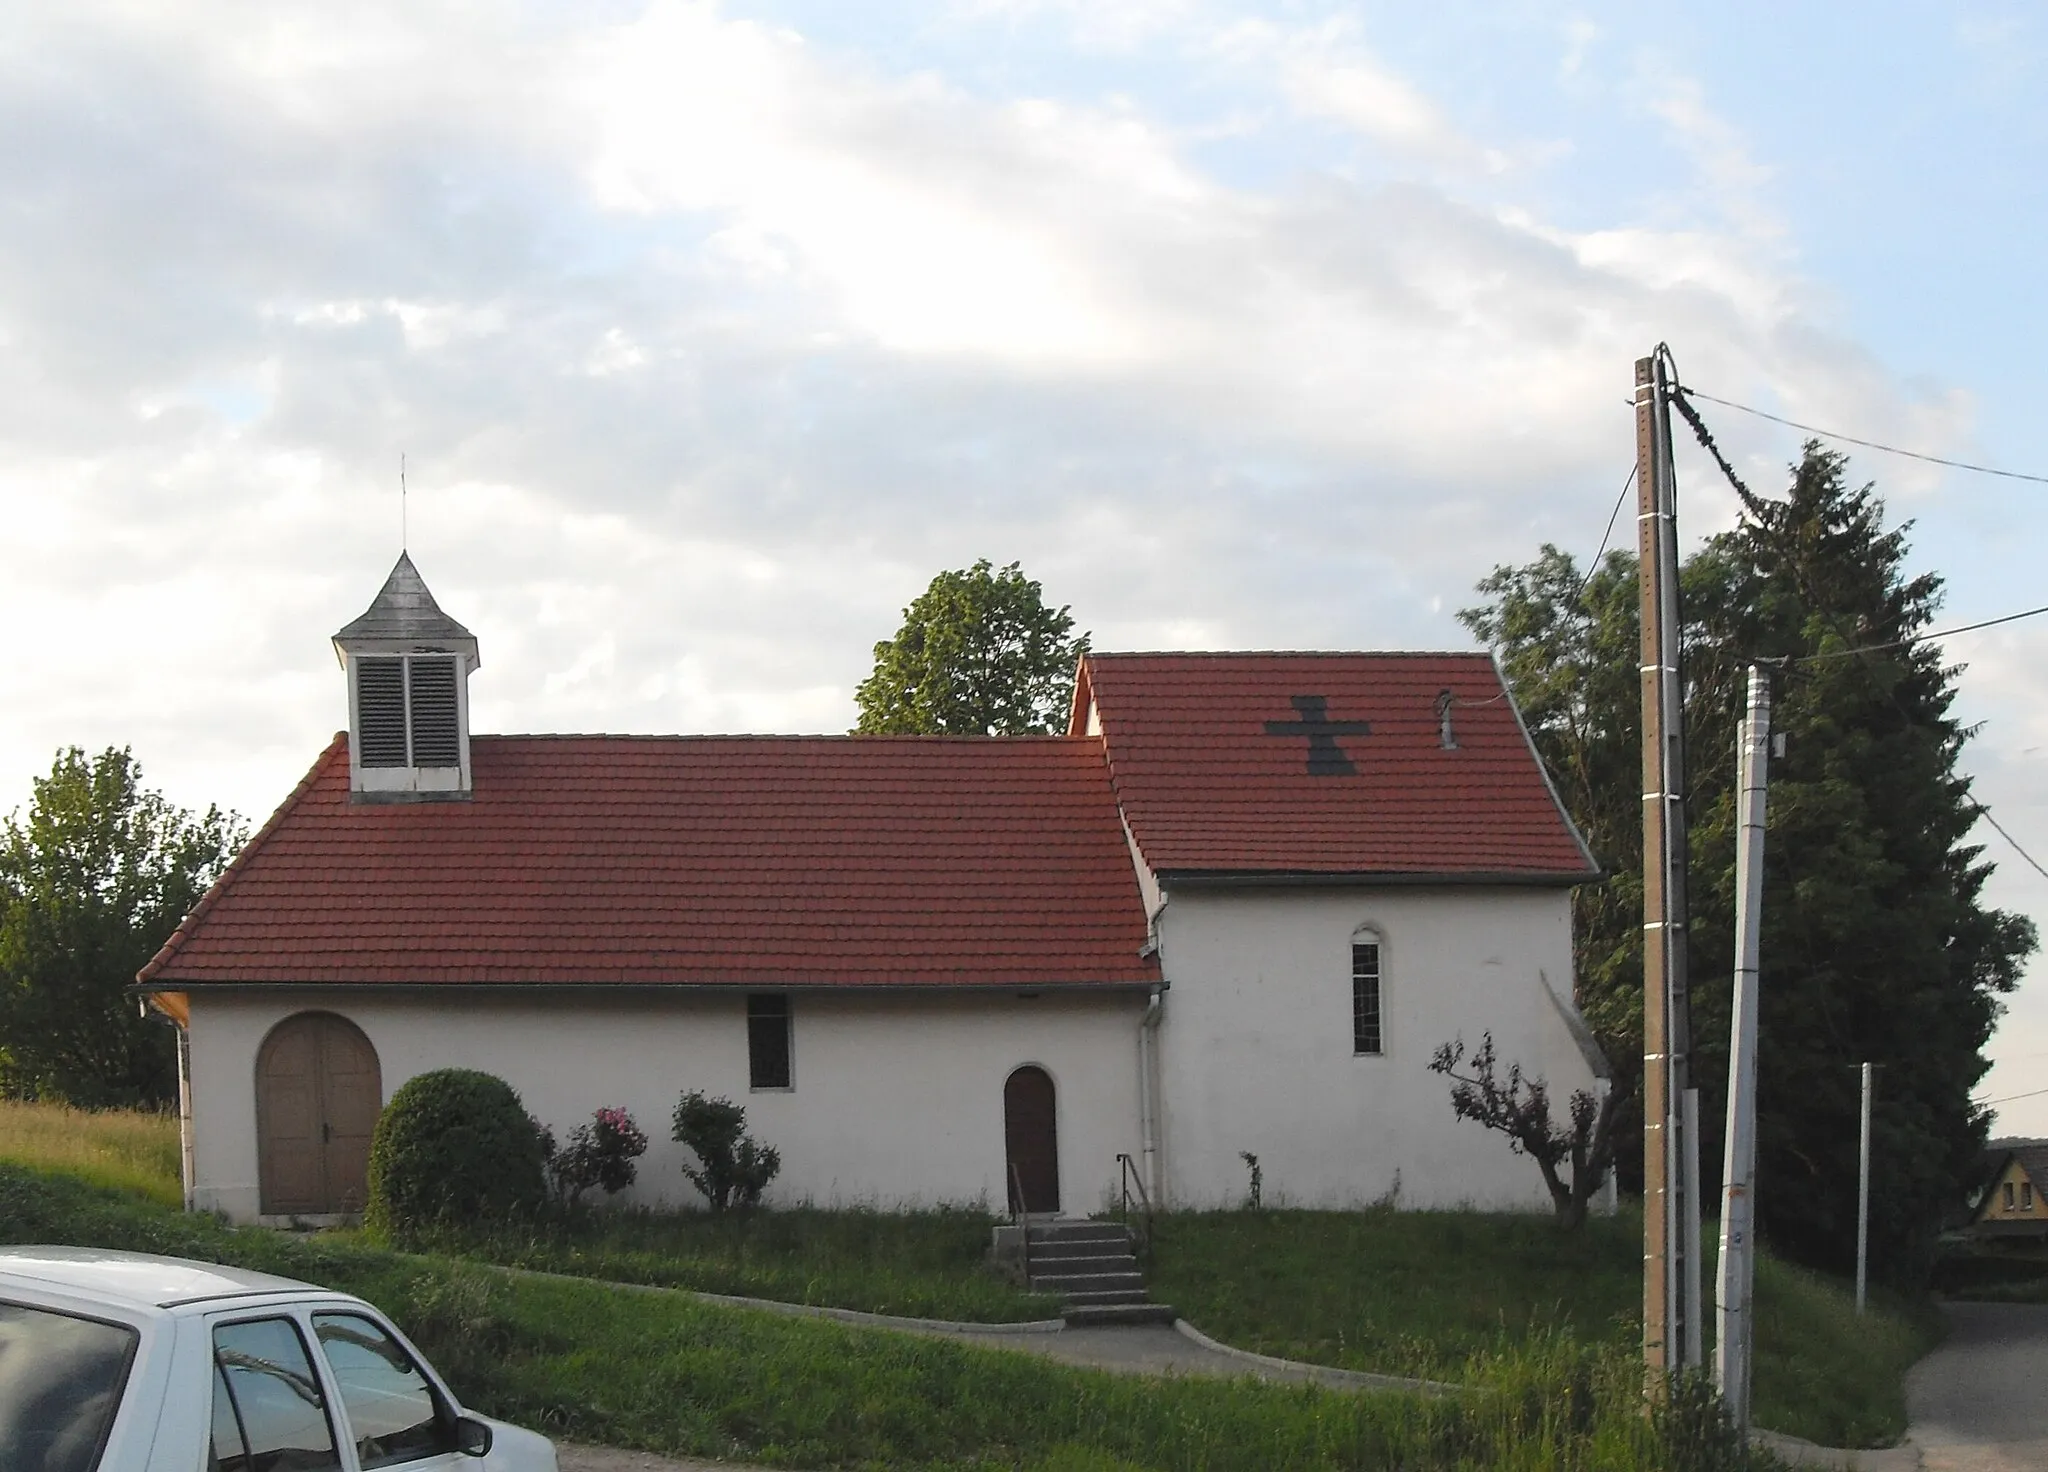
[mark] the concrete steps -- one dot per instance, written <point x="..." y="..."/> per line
<point x="1092" y="1265"/>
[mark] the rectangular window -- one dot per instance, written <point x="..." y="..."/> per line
<point x="268" y="1412"/>
<point x="1365" y="997"/>
<point x="60" y="1385"/>
<point x="2026" y="1195"/>
<point x="2008" y="1195"/>
<point x="768" y="1040"/>
<point x="393" y="1412"/>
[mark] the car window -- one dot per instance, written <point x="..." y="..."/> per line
<point x="60" y="1384"/>
<point x="276" y="1417"/>
<point x="393" y="1412"/>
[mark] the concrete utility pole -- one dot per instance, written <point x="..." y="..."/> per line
<point x="1732" y="1357"/>
<point x="1863" y="1188"/>
<point x="1670" y="1211"/>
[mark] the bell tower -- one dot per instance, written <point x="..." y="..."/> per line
<point x="408" y="666"/>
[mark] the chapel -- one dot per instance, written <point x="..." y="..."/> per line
<point x="1232" y="910"/>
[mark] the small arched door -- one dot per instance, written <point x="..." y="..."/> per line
<point x="318" y="1093"/>
<point x="1031" y="1144"/>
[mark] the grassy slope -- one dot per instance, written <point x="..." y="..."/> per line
<point x="1420" y="1292"/>
<point x="923" y="1264"/>
<point x="128" y="1150"/>
<point x="669" y="1374"/>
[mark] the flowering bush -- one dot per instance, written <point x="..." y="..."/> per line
<point x="600" y="1153"/>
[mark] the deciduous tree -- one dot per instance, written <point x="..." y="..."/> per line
<point x="979" y="654"/>
<point x="94" y="877"/>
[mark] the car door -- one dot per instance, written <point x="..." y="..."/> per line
<point x="395" y="1415"/>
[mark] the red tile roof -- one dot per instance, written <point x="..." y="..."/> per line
<point x="1209" y="788"/>
<point x="750" y="861"/>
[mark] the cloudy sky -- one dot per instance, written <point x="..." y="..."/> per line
<point x="709" y="332"/>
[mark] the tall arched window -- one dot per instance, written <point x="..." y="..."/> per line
<point x="1368" y="1030"/>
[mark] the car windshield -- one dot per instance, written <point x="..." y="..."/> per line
<point x="60" y="1383"/>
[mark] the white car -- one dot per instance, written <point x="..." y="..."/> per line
<point x="121" y="1362"/>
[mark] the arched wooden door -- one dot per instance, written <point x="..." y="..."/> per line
<point x="318" y="1093"/>
<point x="1031" y="1143"/>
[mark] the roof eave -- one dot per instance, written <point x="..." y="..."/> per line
<point x="167" y="952"/>
<point x="1373" y="878"/>
<point x="635" y="988"/>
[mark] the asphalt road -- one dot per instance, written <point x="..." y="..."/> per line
<point x="1980" y="1402"/>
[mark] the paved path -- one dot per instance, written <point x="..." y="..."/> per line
<point x="1151" y="1349"/>
<point x="574" y="1458"/>
<point x="1980" y="1402"/>
<point x="1977" y="1404"/>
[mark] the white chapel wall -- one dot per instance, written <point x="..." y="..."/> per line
<point x="898" y="1101"/>
<point x="1255" y="1048"/>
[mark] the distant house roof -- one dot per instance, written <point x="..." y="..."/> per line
<point x="404" y="609"/>
<point x="743" y="861"/>
<point x="2032" y="1156"/>
<point x="1249" y="767"/>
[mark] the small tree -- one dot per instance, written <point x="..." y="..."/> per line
<point x="599" y="1154"/>
<point x="1521" y="1110"/>
<point x="735" y="1168"/>
<point x="979" y="654"/>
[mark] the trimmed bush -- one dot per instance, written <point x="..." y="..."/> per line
<point x="454" y="1147"/>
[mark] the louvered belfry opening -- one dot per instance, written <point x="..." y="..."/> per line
<point x="436" y="729"/>
<point x="380" y="710"/>
<point x="406" y="705"/>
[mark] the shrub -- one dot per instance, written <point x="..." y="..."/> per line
<point x="600" y="1153"/>
<point x="453" y="1147"/>
<point x="736" y="1170"/>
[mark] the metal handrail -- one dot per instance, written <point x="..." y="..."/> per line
<point x="1023" y="1220"/>
<point x="1130" y="1174"/>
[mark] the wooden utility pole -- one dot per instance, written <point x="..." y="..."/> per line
<point x="1732" y="1353"/>
<point x="1671" y="1330"/>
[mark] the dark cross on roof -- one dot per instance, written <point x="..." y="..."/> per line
<point x="1325" y="757"/>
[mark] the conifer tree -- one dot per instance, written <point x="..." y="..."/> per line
<point x="1877" y="943"/>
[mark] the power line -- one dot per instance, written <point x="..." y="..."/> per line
<point x="1985" y="813"/>
<point x="1612" y="517"/>
<point x="1919" y="638"/>
<point x="2030" y="1094"/>
<point x="1580" y="591"/>
<point x="1796" y="562"/>
<point x="1850" y="439"/>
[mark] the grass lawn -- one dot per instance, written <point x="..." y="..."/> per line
<point x="1492" y="1299"/>
<point x="928" y="1264"/>
<point x="1423" y="1292"/>
<point x="130" y="1150"/>
<point x="669" y="1374"/>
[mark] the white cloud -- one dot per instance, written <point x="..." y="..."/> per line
<point x="1724" y="170"/>
<point x="706" y="345"/>
<point x="1325" y="71"/>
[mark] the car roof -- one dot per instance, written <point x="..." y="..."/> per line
<point x="138" y="1279"/>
